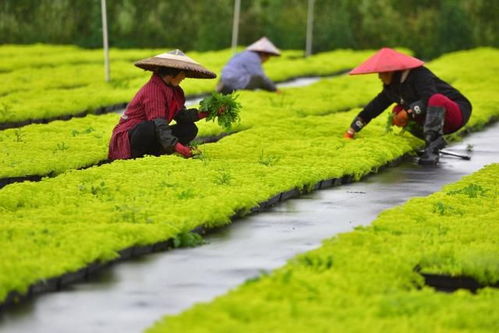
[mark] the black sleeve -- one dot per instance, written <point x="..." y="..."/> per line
<point x="164" y="133"/>
<point x="187" y="116"/>
<point x="375" y="107"/>
<point x="424" y="84"/>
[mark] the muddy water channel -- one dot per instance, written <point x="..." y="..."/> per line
<point x="130" y="296"/>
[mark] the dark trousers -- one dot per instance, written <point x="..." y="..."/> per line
<point x="255" y="82"/>
<point x="145" y="141"/>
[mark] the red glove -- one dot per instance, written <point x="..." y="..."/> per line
<point x="203" y="114"/>
<point x="183" y="150"/>
<point x="349" y="134"/>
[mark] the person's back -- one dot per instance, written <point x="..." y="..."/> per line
<point x="244" y="70"/>
<point x="241" y="67"/>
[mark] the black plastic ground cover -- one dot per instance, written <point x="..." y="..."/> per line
<point x="447" y="283"/>
<point x="35" y="178"/>
<point x="98" y="111"/>
<point x="10" y="180"/>
<point x="67" y="279"/>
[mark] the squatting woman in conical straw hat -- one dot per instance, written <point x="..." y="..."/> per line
<point x="145" y="126"/>
<point x="244" y="70"/>
<point x="432" y="105"/>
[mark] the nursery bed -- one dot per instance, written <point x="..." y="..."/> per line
<point x="129" y="296"/>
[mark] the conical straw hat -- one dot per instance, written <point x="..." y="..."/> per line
<point x="387" y="60"/>
<point x="264" y="45"/>
<point x="176" y="59"/>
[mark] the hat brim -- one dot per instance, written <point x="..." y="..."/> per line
<point x="386" y="60"/>
<point x="271" y="53"/>
<point x="385" y="69"/>
<point x="191" y="70"/>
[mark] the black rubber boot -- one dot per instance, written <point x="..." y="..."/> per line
<point x="433" y="135"/>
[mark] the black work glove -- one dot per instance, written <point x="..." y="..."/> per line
<point x="418" y="108"/>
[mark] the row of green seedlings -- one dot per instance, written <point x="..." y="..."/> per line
<point x="68" y="74"/>
<point x="374" y="273"/>
<point x="85" y="216"/>
<point x="53" y="148"/>
<point x="73" y="89"/>
<point x="64" y="223"/>
<point x="37" y="56"/>
<point x="64" y="76"/>
<point x="78" y="143"/>
<point x="41" y="217"/>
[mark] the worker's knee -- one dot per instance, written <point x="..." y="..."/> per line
<point x="185" y="132"/>
<point x="438" y="100"/>
<point x="143" y="139"/>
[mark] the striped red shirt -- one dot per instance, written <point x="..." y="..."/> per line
<point x="154" y="100"/>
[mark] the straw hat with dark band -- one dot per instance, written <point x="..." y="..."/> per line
<point x="178" y="60"/>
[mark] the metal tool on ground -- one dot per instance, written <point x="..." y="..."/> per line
<point x="445" y="153"/>
<point x="451" y="153"/>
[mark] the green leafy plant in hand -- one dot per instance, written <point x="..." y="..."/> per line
<point x="389" y="122"/>
<point x="410" y="127"/>
<point x="389" y="125"/>
<point x="216" y="102"/>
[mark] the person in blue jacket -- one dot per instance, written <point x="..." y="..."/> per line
<point x="244" y="70"/>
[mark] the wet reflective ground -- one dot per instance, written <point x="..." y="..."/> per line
<point x="130" y="296"/>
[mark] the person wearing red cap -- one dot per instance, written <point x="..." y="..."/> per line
<point x="145" y="128"/>
<point x="434" y="106"/>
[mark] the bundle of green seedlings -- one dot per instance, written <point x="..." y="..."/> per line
<point x="374" y="273"/>
<point x="224" y="108"/>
